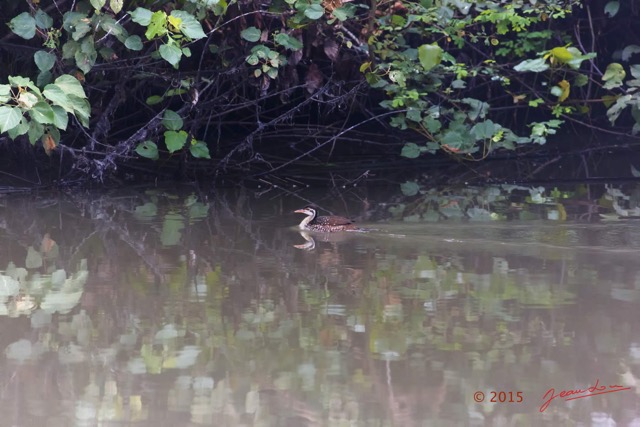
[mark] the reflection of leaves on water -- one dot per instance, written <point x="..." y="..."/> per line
<point x="146" y="212"/>
<point x="171" y="229"/>
<point x="34" y="259"/>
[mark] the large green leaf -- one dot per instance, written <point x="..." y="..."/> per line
<point x="42" y="113"/>
<point x="43" y="20"/>
<point x="60" y="117"/>
<point x="410" y="150"/>
<point x="70" y="85"/>
<point x="141" y="16"/>
<point x="24" y="25"/>
<point x="429" y="55"/>
<point x="5" y="93"/>
<point x="175" y="140"/>
<point x="189" y="26"/>
<point x="251" y="34"/>
<point x="9" y="117"/>
<point x="170" y="53"/>
<point x="81" y="108"/>
<point x="44" y="60"/>
<point x="58" y="96"/>
<point x="157" y="25"/>
<point x="172" y="120"/>
<point x="36" y="130"/>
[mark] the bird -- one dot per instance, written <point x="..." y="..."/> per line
<point x="325" y="224"/>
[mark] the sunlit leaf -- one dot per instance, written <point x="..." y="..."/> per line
<point x="429" y="56"/>
<point x="613" y="75"/>
<point x="157" y="26"/>
<point x="116" y="5"/>
<point x="98" y="4"/>
<point x="560" y="54"/>
<point x="175" y="140"/>
<point x="189" y="25"/>
<point x="42" y="113"/>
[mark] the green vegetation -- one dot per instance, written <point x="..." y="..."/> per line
<point x="220" y="85"/>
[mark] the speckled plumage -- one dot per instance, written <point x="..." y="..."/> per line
<point x="325" y="224"/>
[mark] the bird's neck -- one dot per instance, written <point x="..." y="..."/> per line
<point x="305" y="222"/>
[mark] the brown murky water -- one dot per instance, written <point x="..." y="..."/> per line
<point x="172" y="308"/>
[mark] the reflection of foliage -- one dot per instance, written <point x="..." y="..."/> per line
<point x="508" y="202"/>
<point x="237" y="324"/>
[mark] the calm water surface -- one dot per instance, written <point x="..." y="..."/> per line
<point x="174" y="308"/>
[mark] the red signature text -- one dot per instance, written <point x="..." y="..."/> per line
<point x="567" y="395"/>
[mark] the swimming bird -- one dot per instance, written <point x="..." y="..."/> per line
<point x="325" y="224"/>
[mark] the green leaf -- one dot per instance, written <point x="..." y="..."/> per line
<point x="43" y="20"/>
<point x="70" y="85"/>
<point x="613" y="75"/>
<point x="189" y="26"/>
<point x="9" y="117"/>
<point x="36" y="130"/>
<point x="42" y="113"/>
<point x="429" y="55"/>
<point x="635" y="70"/>
<point x="410" y="150"/>
<point x="157" y="26"/>
<point x="154" y="99"/>
<point x="60" y="117"/>
<point x="314" y="11"/>
<point x="133" y="43"/>
<point x="171" y="229"/>
<point x="27" y="100"/>
<point x="478" y="108"/>
<point x="21" y="129"/>
<point x="97" y="4"/>
<point x="345" y="12"/>
<point x="170" y="53"/>
<point x="81" y="109"/>
<point x="199" y="150"/>
<point x="86" y="59"/>
<point x="251" y="34"/>
<point x="148" y="149"/>
<point x="44" y="78"/>
<point x="175" y="140"/>
<point x="484" y="130"/>
<point x="5" y="93"/>
<point x="172" y="120"/>
<point x="409" y="188"/>
<point x="23" y="25"/>
<point x="58" y="96"/>
<point x="44" y="60"/>
<point x="611" y="8"/>
<point x="288" y="42"/>
<point x="116" y="6"/>
<point x="141" y="16"/>
<point x="537" y="65"/>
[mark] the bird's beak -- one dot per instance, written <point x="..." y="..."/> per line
<point x="302" y="211"/>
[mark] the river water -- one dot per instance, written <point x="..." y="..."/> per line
<point x="171" y="307"/>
